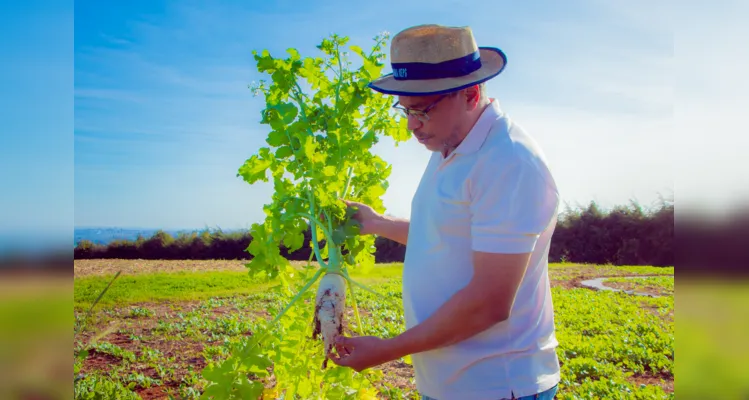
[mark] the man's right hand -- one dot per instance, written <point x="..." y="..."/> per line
<point x="365" y="215"/>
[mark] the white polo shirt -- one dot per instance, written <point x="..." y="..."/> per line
<point x="494" y="193"/>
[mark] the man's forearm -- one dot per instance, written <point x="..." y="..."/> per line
<point x="393" y="228"/>
<point x="466" y="314"/>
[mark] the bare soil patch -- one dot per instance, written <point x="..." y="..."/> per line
<point x="83" y="268"/>
<point x="100" y="361"/>
<point x="179" y="357"/>
<point x="399" y="374"/>
<point x="165" y="348"/>
<point x="665" y="381"/>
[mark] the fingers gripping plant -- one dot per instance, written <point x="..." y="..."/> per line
<point x="318" y="153"/>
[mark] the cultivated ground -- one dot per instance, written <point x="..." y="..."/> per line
<point x="162" y="322"/>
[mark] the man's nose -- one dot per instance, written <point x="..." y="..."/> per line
<point x="414" y="122"/>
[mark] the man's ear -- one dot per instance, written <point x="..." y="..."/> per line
<point x="472" y="96"/>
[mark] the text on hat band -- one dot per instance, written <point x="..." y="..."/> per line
<point x="447" y="69"/>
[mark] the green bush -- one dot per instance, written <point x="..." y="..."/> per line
<point x="625" y="235"/>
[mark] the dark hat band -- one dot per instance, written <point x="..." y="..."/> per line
<point x="447" y="69"/>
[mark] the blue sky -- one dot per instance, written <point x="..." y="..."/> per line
<point x="36" y="111"/>
<point x="163" y="117"/>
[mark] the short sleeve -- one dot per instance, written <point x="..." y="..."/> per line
<point x="511" y="206"/>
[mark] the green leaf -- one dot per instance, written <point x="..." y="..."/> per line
<point x="287" y="111"/>
<point x="277" y="138"/>
<point x="216" y="392"/>
<point x="257" y="364"/>
<point x="247" y="389"/>
<point x="339" y="235"/>
<point x="308" y="147"/>
<point x="367" y="140"/>
<point x="294" y="241"/>
<point x="358" y="50"/>
<point x="284" y="152"/>
<point x="305" y="389"/>
<point x="254" y="169"/>
<point x="329" y="171"/>
<point x="352" y="227"/>
<point x="256" y="166"/>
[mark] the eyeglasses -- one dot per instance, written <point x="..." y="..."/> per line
<point x="421" y="115"/>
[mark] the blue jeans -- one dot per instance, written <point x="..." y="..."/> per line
<point x="545" y="395"/>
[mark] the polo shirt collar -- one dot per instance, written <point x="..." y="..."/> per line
<point x="480" y="130"/>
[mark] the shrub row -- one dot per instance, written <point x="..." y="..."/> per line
<point x="625" y="235"/>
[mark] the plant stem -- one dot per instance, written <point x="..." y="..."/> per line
<point x="340" y="75"/>
<point x="353" y="282"/>
<point x="314" y="221"/>
<point x="299" y="295"/>
<point x="298" y="97"/>
<point x="91" y="308"/>
<point x="356" y="310"/>
<point x="338" y="98"/>
<point x="330" y="227"/>
<point x="348" y="182"/>
<point x="309" y="260"/>
<point x="328" y="234"/>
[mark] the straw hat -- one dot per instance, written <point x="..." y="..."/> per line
<point x="435" y="59"/>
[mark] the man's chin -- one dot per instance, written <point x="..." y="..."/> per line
<point x="432" y="146"/>
<point x="426" y="143"/>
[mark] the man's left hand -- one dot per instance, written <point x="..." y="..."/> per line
<point x="362" y="352"/>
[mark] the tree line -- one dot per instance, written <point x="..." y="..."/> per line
<point x="624" y="235"/>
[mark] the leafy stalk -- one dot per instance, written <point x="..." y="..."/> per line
<point x="299" y="295"/>
<point x="356" y="310"/>
<point x="312" y="138"/>
<point x="348" y="182"/>
<point x="315" y="245"/>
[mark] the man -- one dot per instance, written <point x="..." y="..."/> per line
<point x="476" y="293"/>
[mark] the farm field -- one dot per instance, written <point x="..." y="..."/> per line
<point x="161" y="323"/>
